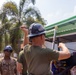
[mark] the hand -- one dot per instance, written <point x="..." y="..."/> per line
<point x="61" y="45"/>
<point x="24" y="28"/>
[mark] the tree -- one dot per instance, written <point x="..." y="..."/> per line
<point x="18" y="15"/>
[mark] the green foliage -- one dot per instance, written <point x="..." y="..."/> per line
<point x="12" y="17"/>
<point x="10" y="8"/>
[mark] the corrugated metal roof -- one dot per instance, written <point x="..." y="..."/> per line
<point x="65" y="27"/>
<point x="60" y="23"/>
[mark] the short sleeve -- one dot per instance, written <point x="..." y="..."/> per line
<point x="50" y="54"/>
<point x="19" y="59"/>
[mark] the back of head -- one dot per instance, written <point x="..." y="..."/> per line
<point x="8" y="48"/>
<point x="36" y="29"/>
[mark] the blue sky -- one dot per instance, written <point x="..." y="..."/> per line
<point x="54" y="10"/>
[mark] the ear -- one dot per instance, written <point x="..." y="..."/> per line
<point x="41" y="36"/>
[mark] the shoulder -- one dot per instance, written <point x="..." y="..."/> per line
<point x="27" y="47"/>
<point x="21" y="52"/>
<point x="21" y="55"/>
<point x="1" y="59"/>
<point x="14" y="59"/>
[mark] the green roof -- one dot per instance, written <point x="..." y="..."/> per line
<point x="65" y="27"/>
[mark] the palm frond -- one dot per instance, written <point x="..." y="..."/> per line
<point x="21" y="6"/>
<point x="24" y="4"/>
<point x="10" y="8"/>
<point x="33" y="1"/>
<point x="34" y="12"/>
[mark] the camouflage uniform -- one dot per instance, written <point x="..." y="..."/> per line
<point x="8" y="67"/>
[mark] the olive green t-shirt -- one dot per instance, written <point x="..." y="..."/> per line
<point x="38" y="59"/>
<point x="21" y="59"/>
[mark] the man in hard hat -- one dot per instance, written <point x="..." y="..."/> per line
<point x="38" y="58"/>
<point x="8" y="63"/>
